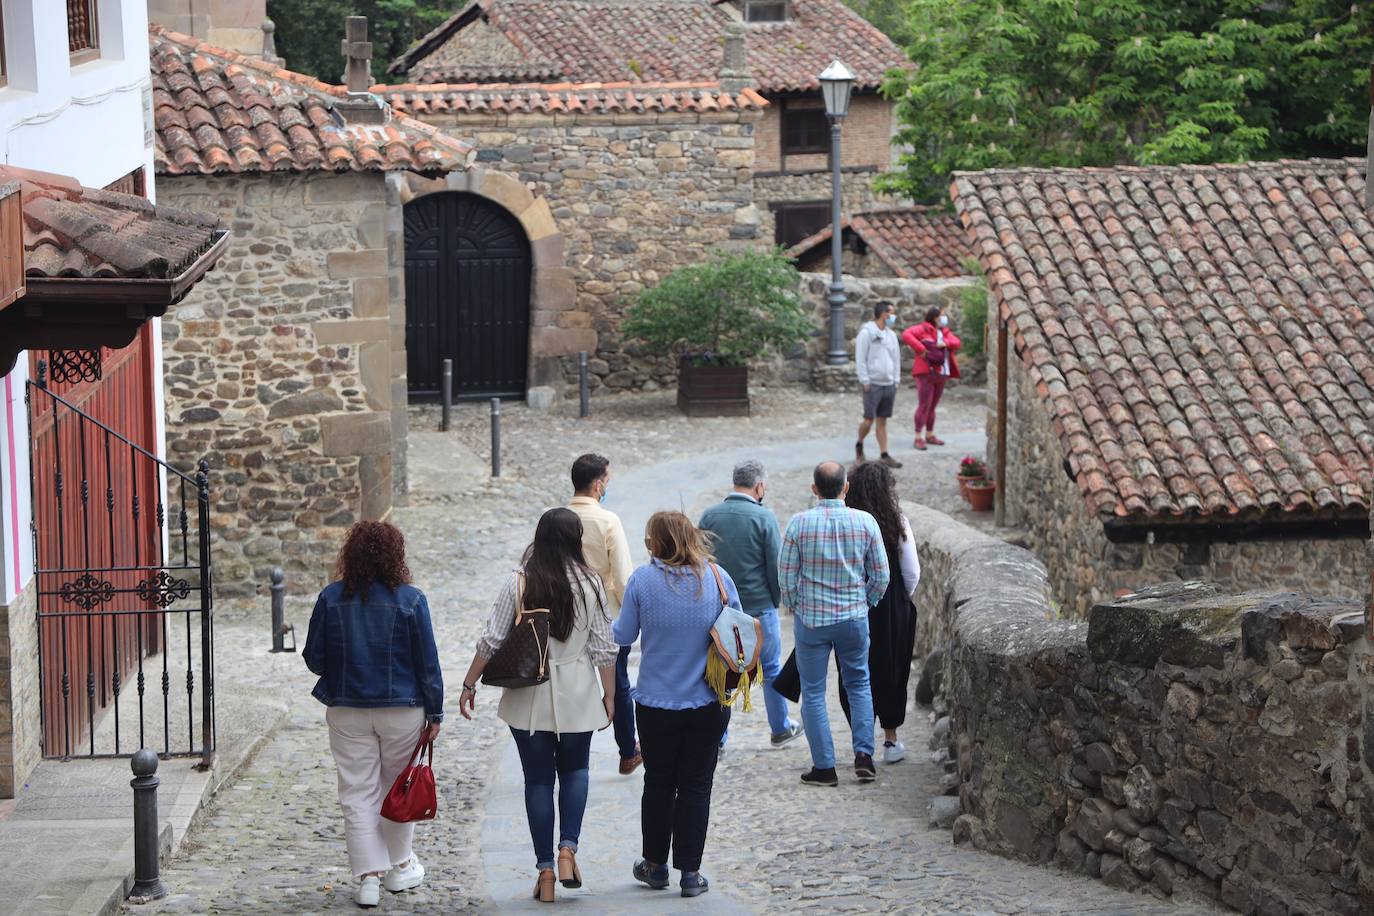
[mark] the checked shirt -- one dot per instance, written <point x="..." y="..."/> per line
<point x="834" y="565"/>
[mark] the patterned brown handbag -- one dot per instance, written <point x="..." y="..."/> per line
<point x="523" y="658"/>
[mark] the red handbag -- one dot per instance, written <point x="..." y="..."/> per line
<point x="413" y="796"/>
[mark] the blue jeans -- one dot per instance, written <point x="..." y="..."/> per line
<point x="542" y="756"/>
<point x="849" y="640"/>
<point x="771" y="661"/>
<point x="624" y="726"/>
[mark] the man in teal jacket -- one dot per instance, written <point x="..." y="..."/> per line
<point x="746" y="540"/>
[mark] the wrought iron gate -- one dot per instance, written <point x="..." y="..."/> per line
<point x="124" y="589"/>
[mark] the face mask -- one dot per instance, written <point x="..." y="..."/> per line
<point x="604" y="488"/>
<point x="944" y="321"/>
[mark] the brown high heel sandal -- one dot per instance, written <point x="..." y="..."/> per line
<point x="543" y="888"/>
<point x="568" y="872"/>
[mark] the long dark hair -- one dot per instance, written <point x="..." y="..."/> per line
<point x="372" y="552"/>
<point x="873" y="489"/>
<point x="555" y="553"/>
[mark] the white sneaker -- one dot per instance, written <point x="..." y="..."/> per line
<point x="406" y="878"/>
<point x="369" y="891"/>
<point x="893" y="752"/>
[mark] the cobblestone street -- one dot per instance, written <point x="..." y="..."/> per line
<point x="273" y="840"/>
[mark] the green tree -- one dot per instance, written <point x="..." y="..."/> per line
<point x="887" y="15"/>
<point x="309" y="32"/>
<point x="1000" y="83"/>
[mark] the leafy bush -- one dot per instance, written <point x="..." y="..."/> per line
<point x="973" y="303"/>
<point x="724" y="311"/>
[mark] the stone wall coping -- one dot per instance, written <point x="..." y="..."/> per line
<point x="1001" y="591"/>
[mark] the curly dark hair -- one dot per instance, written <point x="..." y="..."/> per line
<point x="873" y="489"/>
<point x="372" y="552"/>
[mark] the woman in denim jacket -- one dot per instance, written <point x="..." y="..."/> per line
<point x="372" y="644"/>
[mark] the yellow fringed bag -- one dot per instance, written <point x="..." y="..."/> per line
<point x="732" y="660"/>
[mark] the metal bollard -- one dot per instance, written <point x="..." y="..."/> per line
<point x="496" y="437"/>
<point x="583" y="390"/>
<point x="147" y="882"/>
<point x="279" y="625"/>
<point x="446" y="389"/>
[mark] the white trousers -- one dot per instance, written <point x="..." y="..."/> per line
<point x="371" y="747"/>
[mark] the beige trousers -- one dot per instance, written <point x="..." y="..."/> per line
<point x="371" y="747"/>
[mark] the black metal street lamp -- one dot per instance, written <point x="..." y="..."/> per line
<point x="837" y="82"/>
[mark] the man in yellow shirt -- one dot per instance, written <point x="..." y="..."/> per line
<point x="608" y="553"/>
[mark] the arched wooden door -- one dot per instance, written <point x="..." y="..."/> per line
<point x="467" y="296"/>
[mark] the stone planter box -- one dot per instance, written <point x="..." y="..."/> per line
<point x="712" y="391"/>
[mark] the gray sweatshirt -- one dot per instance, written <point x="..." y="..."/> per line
<point x="877" y="355"/>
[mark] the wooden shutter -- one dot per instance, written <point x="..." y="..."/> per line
<point x="11" y="245"/>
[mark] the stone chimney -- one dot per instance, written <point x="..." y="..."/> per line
<point x="734" y="70"/>
<point x="232" y="24"/>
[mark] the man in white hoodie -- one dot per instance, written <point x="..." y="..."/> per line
<point x="878" y="358"/>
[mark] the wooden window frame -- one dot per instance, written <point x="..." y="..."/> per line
<point x="85" y="55"/>
<point x="780" y="210"/>
<point x="787" y="130"/>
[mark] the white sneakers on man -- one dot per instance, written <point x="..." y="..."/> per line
<point x="893" y="751"/>
<point x="369" y="891"/>
<point x="406" y="877"/>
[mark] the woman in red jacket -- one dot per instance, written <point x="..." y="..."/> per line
<point x="935" y="345"/>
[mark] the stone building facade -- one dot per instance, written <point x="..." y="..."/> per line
<point x="1182" y="739"/>
<point x="287" y="366"/>
<point x="635" y="185"/>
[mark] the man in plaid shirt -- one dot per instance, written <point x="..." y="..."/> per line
<point x="833" y="568"/>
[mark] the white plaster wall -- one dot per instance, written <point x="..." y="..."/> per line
<point x="88" y="122"/>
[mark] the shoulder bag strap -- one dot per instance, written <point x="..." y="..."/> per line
<point x="720" y="584"/>
<point x="519" y="599"/>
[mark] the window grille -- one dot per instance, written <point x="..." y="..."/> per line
<point x="765" y="11"/>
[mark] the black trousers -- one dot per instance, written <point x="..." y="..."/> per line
<point x="680" y="748"/>
<point x="891" y="640"/>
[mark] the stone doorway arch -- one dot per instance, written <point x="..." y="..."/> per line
<point x="553" y="293"/>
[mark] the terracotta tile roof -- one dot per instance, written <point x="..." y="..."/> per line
<point x="219" y="111"/>
<point x="421" y="100"/>
<point x="659" y="41"/>
<point x="72" y="231"/>
<point x="918" y="243"/>
<point x="1201" y="335"/>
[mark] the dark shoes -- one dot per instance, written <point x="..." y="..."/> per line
<point x="864" y="769"/>
<point x="793" y="731"/>
<point x="656" y="877"/>
<point x="819" y="777"/>
<point x="629" y="764"/>
<point x="694" y="884"/>
<point x="859" y="453"/>
<point x="888" y="460"/>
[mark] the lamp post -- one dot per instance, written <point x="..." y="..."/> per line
<point x="837" y="82"/>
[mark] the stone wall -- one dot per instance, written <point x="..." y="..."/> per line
<point x="1182" y="740"/>
<point x="281" y="367"/>
<point x="912" y="298"/>
<point x="21" y="730"/>
<point x="634" y="196"/>
<point x="1085" y="568"/>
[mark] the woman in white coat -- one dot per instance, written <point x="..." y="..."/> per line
<point x="553" y="722"/>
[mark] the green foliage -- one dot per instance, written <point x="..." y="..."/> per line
<point x="309" y="32"/>
<point x="888" y="15"/>
<point x="724" y="311"/>
<point x="1107" y="82"/>
<point x="973" y="303"/>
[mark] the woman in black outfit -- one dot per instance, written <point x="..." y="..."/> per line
<point x="892" y="621"/>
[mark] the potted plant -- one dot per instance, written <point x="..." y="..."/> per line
<point x="717" y="316"/>
<point x="970" y="469"/>
<point x="980" y="493"/>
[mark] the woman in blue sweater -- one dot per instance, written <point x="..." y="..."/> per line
<point x="670" y="604"/>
